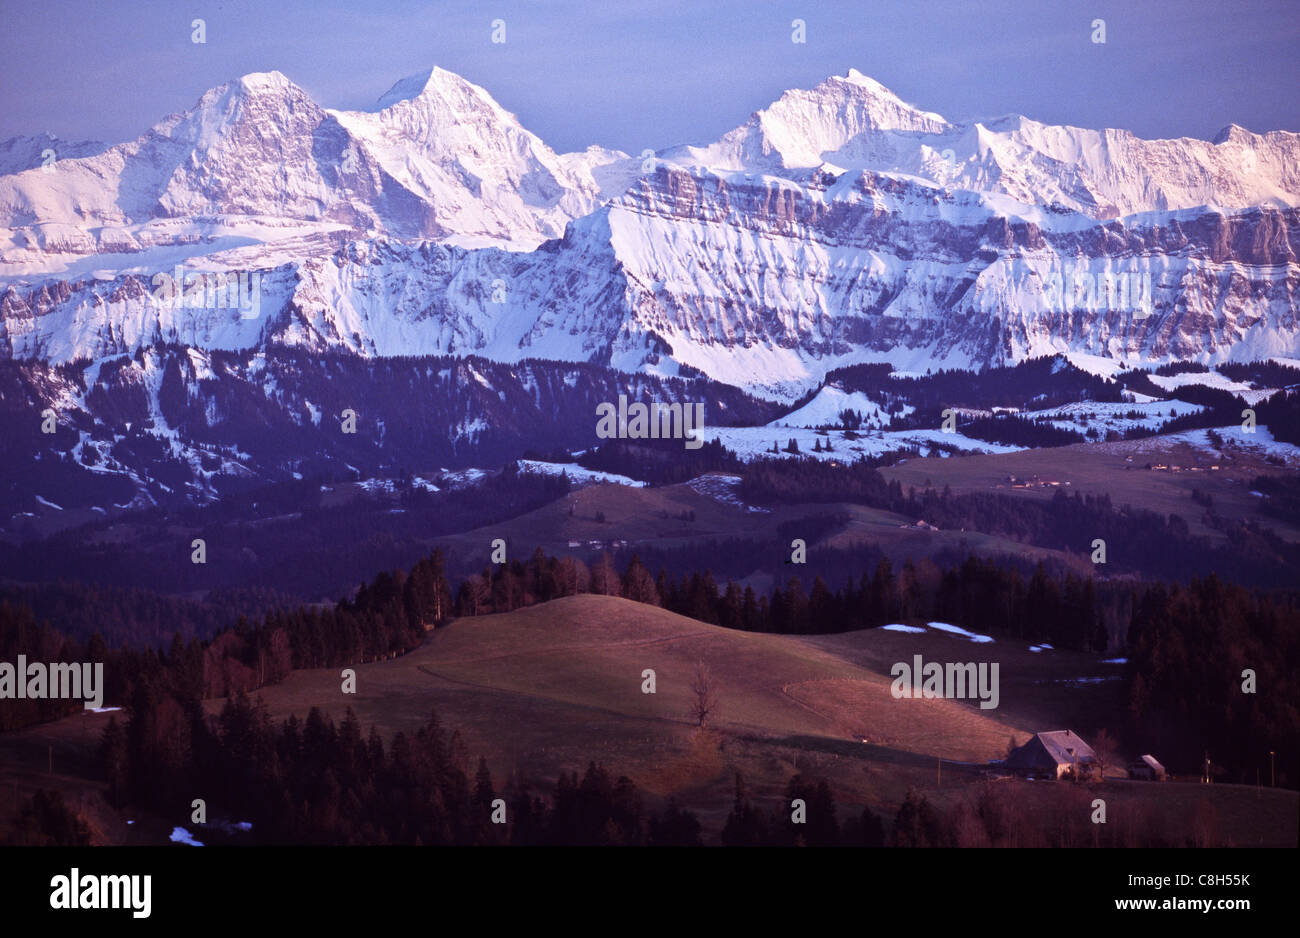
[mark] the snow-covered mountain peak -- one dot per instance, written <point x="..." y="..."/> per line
<point x="844" y="120"/>
<point x="839" y="109"/>
<point x="857" y="78"/>
<point x="436" y="82"/>
<point x="838" y="224"/>
<point x="875" y="89"/>
<point x="442" y="159"/>
<point x="486" y="178"/>
<point x="263" y="91"/>
<point x="272" y="81"/>
<point x="443" y="111"/>
<point x="1235" y="133"/>
<point x="412" y="86"/>
<point x="267" y="103"/>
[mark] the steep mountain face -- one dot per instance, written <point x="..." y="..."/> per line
<point x="768" y="280"/>
<point x="1112" y="173"/>
<point x="256" y="160"/>
<point x="487" y="179"/>
<point x="255" y="148"/>
<point x="170" y="424"/>
<point x="839" y="225"/>
<point x="855" y="118"/>
<point x="755" y="281"/>
<point x="856" y="123"/>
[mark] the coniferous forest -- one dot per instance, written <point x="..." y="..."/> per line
<point x="315" y="782"/>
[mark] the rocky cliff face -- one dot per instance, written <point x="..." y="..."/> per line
<point x="839" y="225"/>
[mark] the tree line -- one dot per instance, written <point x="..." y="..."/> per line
<point x="1138" y="540"/>
<point x="1187" y="646"/>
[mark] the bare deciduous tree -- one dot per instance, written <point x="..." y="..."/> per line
<point x="1107" y="749"/>
<point x="604" y="578"/>
<point x="706" y="699"/>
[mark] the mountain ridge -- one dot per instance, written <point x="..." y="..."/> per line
<point x="837" y="225"/>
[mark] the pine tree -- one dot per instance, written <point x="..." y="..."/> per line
<point x="637" y="584"/>
<point x="745" y="826"/>
<point x="113" y="757"/>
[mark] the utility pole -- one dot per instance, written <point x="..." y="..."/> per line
<point x="1272" y="778"/>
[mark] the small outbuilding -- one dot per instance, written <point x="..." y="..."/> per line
<point x="1055" y="754"/>
<point x="1147" y="768"/>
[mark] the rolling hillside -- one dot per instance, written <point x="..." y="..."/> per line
<point x="548" y="688"/>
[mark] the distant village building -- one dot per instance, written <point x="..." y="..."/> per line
<point x="1147" y="768"/>
<point x="1057" y="754"/>
<point x="1033" y="482"/>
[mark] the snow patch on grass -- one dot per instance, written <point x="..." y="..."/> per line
<point x="180" y="835"/>
<point x="577" y="474"/>
<point x="957" y="630"/>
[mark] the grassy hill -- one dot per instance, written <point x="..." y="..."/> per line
<point x="1117" y="469"/>
<point x="544" y="689"/>
<point x="654" y="517"/>
<point x="547" y="688"/>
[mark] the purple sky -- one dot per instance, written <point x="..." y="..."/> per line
<point x="654" y="73"/>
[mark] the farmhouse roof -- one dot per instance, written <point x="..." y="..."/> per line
<point x="1151" y="761"/>
<point x="1051" y="749"/>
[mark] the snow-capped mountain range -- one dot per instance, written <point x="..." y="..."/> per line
<point x="40" y="150"/>
<point x="838" y="225"/>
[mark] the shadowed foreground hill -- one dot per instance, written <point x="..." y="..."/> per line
<point x="548" y="688"/>
<point x="585" y="656"/>
<point x="545" y="689"/>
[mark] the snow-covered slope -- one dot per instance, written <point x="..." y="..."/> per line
<point x="756" y="282"/>
<point x="486" y="178"/>
<point x="854" y="122"/>
<point x="41" y="150"/>
<point x="440" y="159"/>
<point x="829" y="407"/>
<point x="850" y="122"/>
<point x="839" y="225"/>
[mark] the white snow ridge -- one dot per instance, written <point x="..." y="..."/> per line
<point x="838" y="225"/>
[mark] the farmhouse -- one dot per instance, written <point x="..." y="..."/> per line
<point x="1148" y="768"/>
<point x="1058" y="754"/>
